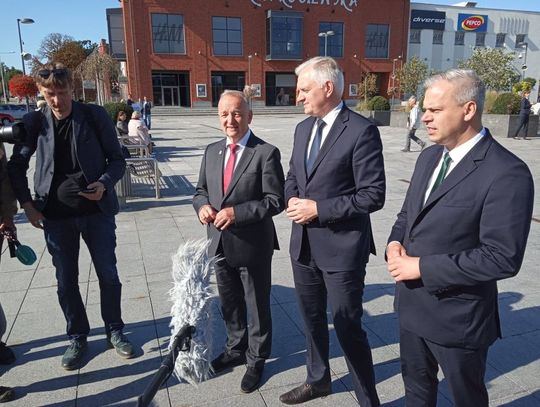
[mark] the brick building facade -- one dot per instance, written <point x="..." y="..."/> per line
<point x="185" y="53"/>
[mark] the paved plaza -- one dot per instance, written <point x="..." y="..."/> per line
<point x="149" y="231"/>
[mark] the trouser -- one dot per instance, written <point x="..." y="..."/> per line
<point x="3" y="323"/>
<point x="344" y="290"/>
<point x="411" y="134"/>
<point x="148" y="121"/>
<point x="464" y="369"/>
<point x="244" y="293"/>
<point x="63" y="241"/>
<point x="523" y="124"/>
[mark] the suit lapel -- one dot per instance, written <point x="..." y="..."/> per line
<point x="340" y="124"/>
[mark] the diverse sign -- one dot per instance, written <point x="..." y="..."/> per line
<point x="472" y="22"/>
<point x="428" y="19"/>
<point x="346" y="4"/>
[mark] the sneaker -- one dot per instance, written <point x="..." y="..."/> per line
<point x="6" y="394"/>
<point x="120" y="342"/>
<point x="6" y="355"/>
<point x="74" y="353"/>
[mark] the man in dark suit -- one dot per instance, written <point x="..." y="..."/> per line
<point x="463" y="226"/>
<point x="78" y="162"/>
<point x="335" y="180"/>
<point x="240" y="189"/>
<point x="524" y="114"/>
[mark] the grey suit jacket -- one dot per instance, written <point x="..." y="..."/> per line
<point x="98" y="152"/>
<point x="255" y="193"/>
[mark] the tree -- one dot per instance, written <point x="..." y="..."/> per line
<point x="51" y="44"/>
<point x="71" y="55"/>
<point x="22" y="86"/>
<point x="367" y="87"/>
<point x="494" y="66"/>
<point x="101" y="68"/>
<point x="412" y="75"/>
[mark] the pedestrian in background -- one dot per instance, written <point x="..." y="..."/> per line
<point x="147" y="113"/>
<point x="413" y="122"/>
<point x="524" y="113"/>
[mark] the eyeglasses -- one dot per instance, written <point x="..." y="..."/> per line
<point x="45" y="73"/>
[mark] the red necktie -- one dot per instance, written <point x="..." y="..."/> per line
<point x="229" y="167"/>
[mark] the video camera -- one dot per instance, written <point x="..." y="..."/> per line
<point x="16" y="133"/>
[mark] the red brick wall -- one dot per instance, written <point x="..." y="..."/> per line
<point x="199" y="60"/>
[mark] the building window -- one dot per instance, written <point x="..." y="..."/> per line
<point x="437" y="37"/>
<point x="168" y="33"/>
<point x="499" y="41"/>
<point x="227" y="35"/>
<point x="334" y="43"/>
<point x="414" y="36"/>
<point x="520" y="39"/>
<point x="459" y="39"/>
<point x="284" y="30"/>
<point x="377" y="40"/>
<point x="480" y="40"/>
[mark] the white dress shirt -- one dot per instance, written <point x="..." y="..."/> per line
<point x="329" y="119"/>
<point x="239" y="150"/>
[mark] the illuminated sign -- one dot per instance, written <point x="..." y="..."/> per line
<point x="346" y="4"/>
<point x="472" y="22"/>
<point x="427" y="19"/>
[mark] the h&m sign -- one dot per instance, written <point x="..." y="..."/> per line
<point x="346" y="4"/>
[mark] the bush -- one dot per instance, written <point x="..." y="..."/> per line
<point x="113" y="108"/>
<point x="506" y="103"/>
<point x="378" y="103"/>
<point x="362" y="106"/>
<point x="489" y="101"/>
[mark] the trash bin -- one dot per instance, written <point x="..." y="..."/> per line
<point x="123" y="188"/>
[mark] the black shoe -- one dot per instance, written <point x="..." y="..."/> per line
<point x="251" y="379"/>
<point x="120" y="342"/>
<point x="228" y="360"/>
<point x="74" y="353"/>
<point x="6" y="394"/>
<point x="405" y="150"/>
<point x="305" y="392"/>
<point x="6" y="355"/>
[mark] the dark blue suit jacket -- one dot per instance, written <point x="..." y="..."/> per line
<point x="98" y="151"/>
<point x="347" y="182"/>
<point x="471" y="232"/>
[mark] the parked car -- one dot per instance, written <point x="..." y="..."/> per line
<point x="17" y="111"/>
<point x="6" y="119"/>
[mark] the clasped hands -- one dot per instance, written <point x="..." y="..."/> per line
<point x="221" y="220"/>
<point x="301" y="211"/>
<point x="401" y="266"/>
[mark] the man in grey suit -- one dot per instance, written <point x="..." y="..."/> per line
<point x="240" y="189"/>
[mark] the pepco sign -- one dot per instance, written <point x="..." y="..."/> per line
<point x="472" y="22"/>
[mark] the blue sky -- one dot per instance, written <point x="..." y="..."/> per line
<point x="85" y="20"/>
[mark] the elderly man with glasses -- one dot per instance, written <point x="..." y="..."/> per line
<point x="78" y="162"/>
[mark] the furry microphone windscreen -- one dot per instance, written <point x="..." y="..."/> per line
<point x="190" y="296"/>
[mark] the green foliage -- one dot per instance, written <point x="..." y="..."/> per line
<point x="413" y="73"/>
<point x="113" y="108"/>
<point x="367" y="87"/>
<point x="489" y="101"/>
<point x="378" y="103"/>
<point x="506" y="103"/>
<point x="362" y="106"/>
<point x="523" y="86"/>
<point x="532" y="81"/>
<point x="493" y="66"/>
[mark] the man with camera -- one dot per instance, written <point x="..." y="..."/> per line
<point x="8" y="208"/>
<point x="78" y="162"/>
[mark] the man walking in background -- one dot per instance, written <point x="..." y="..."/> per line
<point x="413" y="122"/>
<point x="463" y="226"/>
<point x="335" y="180"/>
<point x="240" y="189"/>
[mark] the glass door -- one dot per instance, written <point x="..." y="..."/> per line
<point x="170" y="95"/>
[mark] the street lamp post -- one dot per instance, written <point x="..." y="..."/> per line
<point x="249" y="69"/>
<point x="2" y="73"/>
<point x="524" y="66"/>
<point x="326" y="35"/>
<point x="19" y="22"/>
<point x="394" y="79"/>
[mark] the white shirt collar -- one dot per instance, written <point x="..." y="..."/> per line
<point x="457" y="153"/>
<point x="332" y="115"/>
<point x="242" y="142"/>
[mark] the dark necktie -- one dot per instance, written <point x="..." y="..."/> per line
<point x="315" y="146"/>
<point x="229" y="167"/>
<point x="442" y="172"/>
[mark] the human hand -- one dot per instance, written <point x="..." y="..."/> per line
<point x="207" y="214"/>
<point x="34" y="216"/>
<point x="395" y="249"/>
<point x="403" y="268"/>
<point x="224" y="218"/>
<point x="6" y="223"/>
<point x="302" y="211"/>
<point x="97" y="194"/>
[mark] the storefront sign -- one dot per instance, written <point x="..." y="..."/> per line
<point x="428" y="19"/>
<point x="472" y="22"/>
<point x="346" y="4"/>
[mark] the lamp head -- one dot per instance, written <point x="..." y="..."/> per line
<point x="25" y="20"/>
